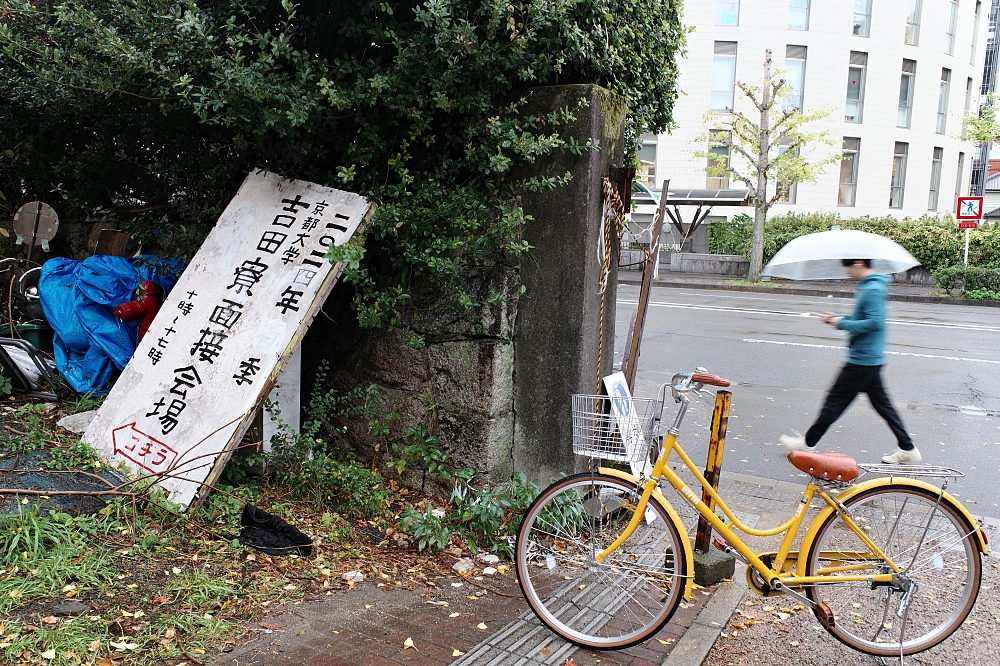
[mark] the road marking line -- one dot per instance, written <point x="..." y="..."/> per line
<point x="893" y="353"/>
<point x="783" y="313"/>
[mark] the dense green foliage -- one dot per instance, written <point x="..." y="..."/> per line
<point x="934" y="242"/>
<point x="975" y="281"/>
<point x="151" y="112"/>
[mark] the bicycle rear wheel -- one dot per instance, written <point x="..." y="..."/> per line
<point x="933" y="546"/>
<point x="603" y="606"/>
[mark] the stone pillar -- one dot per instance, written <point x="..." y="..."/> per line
<point x="558" y="345"/>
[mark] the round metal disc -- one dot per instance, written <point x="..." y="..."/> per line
<point x="48" y="222"/>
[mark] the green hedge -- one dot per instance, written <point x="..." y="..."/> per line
<point x="934" y="242"/>
<point x="976" y="281"/>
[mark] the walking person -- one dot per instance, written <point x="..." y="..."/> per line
<point x="863" y="371"/>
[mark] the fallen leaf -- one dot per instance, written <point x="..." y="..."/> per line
<point x="175" y="571"/>
<point x="198" y="651"/>
<point x="4" y="646"/>
<point x="290" y="586"/>
<point x="665" y="642"/>
<point x="408" y="643"/>
<point x="49" y="655"/>
<point x="784" y="616"/>
<point x="51" y="619"/>
<point x="545" y="651"/>
<point x="139" y="614"/>
<point x="456" y="653"/>
<point x="794" y="643"/>
<point x="454" y="615"/>
<point x="272" y="627"/>
<point x="481" y="625"/>
<point x="123" y="645"/>
<point x="69" y="588"/>
<point x="93" y="646"/>
<point x="569" y="662"/>
<point x="457" y="584"/>
<point x="104" y="662"/>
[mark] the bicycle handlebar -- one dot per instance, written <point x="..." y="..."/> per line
<point x="706" y="378"/>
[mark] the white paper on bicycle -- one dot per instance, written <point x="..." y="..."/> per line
<point x="224" y="333"/>
<point x="629" y="426"/>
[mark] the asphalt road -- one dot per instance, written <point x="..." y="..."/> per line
<point x="942" y="371"/>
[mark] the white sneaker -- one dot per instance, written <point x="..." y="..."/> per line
<point x="902" y="457"/>
<point x="794" y="442"/>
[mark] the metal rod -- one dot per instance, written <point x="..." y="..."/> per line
<point x="713" y="466"/>
<point x="631" y="362"/>
<point x="34" y="230"/>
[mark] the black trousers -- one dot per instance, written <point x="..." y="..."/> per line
<point x="852" y="380"/>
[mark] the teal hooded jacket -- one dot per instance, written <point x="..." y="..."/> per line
<point x="866" y="325"/>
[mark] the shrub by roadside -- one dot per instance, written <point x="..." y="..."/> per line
<point x="975" y="281"/>
<point x="935" y="242"/>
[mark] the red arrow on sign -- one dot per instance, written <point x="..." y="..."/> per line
<point x="145" y="451"/>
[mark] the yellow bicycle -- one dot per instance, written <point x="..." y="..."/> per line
<point x="891" y="565"/>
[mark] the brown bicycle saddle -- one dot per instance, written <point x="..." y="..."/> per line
<point x="837" y="466"/>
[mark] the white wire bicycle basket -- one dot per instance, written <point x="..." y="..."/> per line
<point x="618" y="428"/>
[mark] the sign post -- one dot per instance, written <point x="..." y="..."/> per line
<point x="970" y="211"/>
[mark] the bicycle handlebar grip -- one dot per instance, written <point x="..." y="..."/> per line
<point x="705" y="378"/>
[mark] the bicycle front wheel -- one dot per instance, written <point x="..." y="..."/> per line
<point x="933" y="546"/>
<point x="608" y="605"/>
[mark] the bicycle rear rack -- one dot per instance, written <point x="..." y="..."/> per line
<point x="911" y="470"/>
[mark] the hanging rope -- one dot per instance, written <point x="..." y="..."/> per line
<point x="613" y="220"/>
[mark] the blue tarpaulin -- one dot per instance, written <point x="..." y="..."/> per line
<point x="79" y="299"/>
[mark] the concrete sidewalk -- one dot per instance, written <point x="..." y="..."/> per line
<point x="897" y="292"/>
<point x="484" y="619"/>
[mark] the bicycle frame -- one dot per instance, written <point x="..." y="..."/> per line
<point x="790" y="527"/>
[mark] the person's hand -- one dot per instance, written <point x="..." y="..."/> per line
<point x="831" y="318"/>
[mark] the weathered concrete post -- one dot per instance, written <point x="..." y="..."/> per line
<point x="559" y="347"/>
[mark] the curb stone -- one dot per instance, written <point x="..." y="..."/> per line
<point x="698" y="640"/>
<point x="819" y="292"/>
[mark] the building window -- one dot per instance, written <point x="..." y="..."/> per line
<point x="798" y="14"/>
<point x="647" y="163"/>
<point x="727" y="12"/>
<point x="906" y="80"/>
<point x="942" y="115"/>
<point x="849" y="171"/>
<point x="795" y="76"/>
<point x="898" y="174"/>
<point x="958" y="179"/>
<point x="723" y="76"/>
<point x="718" y="146"/>
<point x="856" y="87"/>
<point x="975" y="33"/>
<point x="793" y="188"/>
<point x="912" y="23"/>
<point x="932" y="195"/>
<point x="949" y="35"/>
<point x="862" y="17"/>
<point x="968" y="102"/>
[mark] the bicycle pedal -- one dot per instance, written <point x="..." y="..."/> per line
<point x="824" y="615"/>
<point x="722" y="545"/>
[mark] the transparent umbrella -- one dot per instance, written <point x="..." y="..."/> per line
<point x="817" y="256"/>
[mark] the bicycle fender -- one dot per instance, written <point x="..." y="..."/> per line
<point x="818" y="521"/>
<point x="685" y="541"/>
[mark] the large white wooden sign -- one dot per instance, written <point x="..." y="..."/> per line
<point x="218" y="343"/>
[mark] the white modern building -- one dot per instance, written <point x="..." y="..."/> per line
<point x="895" y="75"/>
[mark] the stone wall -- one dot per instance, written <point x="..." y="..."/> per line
<point x="501" y="376"/>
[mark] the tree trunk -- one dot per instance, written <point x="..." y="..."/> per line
<point x="760" y="198"/>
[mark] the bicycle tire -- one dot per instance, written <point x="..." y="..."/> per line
<point x="611" y="605"/>
<point x="935" y="547"/>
